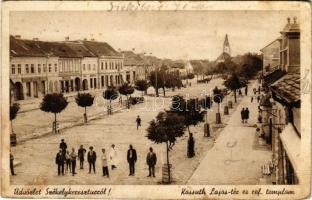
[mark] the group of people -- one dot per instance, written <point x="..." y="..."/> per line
<point x="244" y="115"/>
<point x="66" y="161"/>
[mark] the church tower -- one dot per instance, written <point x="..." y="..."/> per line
<point x="226" y="45"/>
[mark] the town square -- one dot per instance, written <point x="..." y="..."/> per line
<point x="131" y="101"/>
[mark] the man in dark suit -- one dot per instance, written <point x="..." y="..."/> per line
<point x="91" y="159"/>
<point x="81" y="154"/>
<point x="63" y="146"/>
<point x="12" y="164"/>
<point x="151" y="160"/>
<point x="132" y="158"/>
<point x="59" y="160"/>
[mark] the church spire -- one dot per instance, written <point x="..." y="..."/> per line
<point x="226" y="45"/>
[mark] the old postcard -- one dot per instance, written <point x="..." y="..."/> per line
<point x="156" y="100"/>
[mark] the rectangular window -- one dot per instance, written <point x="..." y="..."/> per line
<point x="55" y="67"/>
<point x="39" y="68"/>
<point x="32" y="68"/>
<point x="50" y="68"/>
<point x="101" y="65"/>
<point x="44" y="68"/>
<point x="91" y="83"/>
<point x="105" y="65"/>
<point x="89" y="67"/>
<point x="94" y="67"/>
<point x="84" y="67"/>
<point x="19" y="69"/>
<point x="27" y="68"/>
<point x="13" y="69"/>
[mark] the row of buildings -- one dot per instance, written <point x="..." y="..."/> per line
<point x="41" y="67"/>
<point x="280" y="106"/>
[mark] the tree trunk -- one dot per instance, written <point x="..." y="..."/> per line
<point x="235" y="95"/>
<point x="55" y="123"/>
<point x="142" y="93"/>
<point x="188" y="128"/>
<point x="86" y="118"/>
<point x="156" y="89"/>
<point x="164" y="90"/>
<point x="128" y="104"/>
<point x="168" y="165"/>
<point x="218" y="107"/>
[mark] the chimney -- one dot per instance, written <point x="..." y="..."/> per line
<point x="17" y="36"/>
<point x="295" y="20"/>
<point x="35" y="39"/>
<point x="67" y="38"/>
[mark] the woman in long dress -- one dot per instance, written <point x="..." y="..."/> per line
<point x="113" y="157"/>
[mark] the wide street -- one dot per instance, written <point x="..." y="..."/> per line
<point x="38" y="155"/>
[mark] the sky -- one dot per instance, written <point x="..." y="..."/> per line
<point x="165" y="34"/>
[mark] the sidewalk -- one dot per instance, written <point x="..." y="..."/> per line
<point x="233" y="160"/>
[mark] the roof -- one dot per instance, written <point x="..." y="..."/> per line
<point x="277" y="39"/>
<point x="287" y="89"/>
<point x="224" y="56"/>
<point x="273" y="76"/>
<point x="72" y="49"/>
<point x="132" y="59"/>
<point x="100" y="48"/>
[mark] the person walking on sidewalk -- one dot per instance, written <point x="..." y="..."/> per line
<point x="138" y="121"/>
<point x="73" y="157"/>
<point x="113" y="157"/>
<point x="68" y="162"/>
<point x="91" y="159"/>
<point x="104" y="164"/>
<point x="81" y="154"/>
<point x="190" y="146"/>
<point x="131" y="158"/>
<point x="246" y="115"/>
<point x="59" y="160"/>
<point x="258" y="98"/>
<point x="243" y="115"/>
<point x="251" y="99"/>
<point x="246" y="90"/>
<point x="151" y="160"/>
<point x="12" y="164"/>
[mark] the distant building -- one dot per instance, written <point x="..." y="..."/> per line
<point x="40" y="67"/>
<point x="226" y="53"/>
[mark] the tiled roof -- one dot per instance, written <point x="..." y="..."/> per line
<point x="72" y="49"/>
<point x="100" y="48"/>
<point x="288" y="88"/>
<point x="272" y="76"/>
<point x="132" y="59"/>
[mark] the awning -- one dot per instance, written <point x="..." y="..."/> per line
<point x="291" y="143"/>
<point x="273" y="76"/>
<point x="287" y="90"/>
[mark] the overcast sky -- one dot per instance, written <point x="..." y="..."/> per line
<point x="166" y="34"/>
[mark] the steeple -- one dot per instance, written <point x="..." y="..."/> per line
<point x="226" y="45"/>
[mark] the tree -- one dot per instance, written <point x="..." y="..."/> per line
<point x="84" y="100"/>
<point x="218" y="98"/>
<point x="173" y="80"/>
<point x="110" y="94"/>
<point x="165" y="129"/>
<point x="13" y="113"/>
<point x="126" y="89"/>
<point x="189" y="110"/>
<point x="141" y="85"/>
<point x="250" y="65"/>
<point x="157" y="80"/>
<point x="54" y="103"/>
<point x="234" y="83"/>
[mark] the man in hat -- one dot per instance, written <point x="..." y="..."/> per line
<point x="63" y="146"/>
<point x="81" y="154"/>
<point x="59" y="160"/>
<point x="91" y="159"/>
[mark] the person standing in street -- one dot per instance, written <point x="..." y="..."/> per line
<point x="131" y="158"/>
<point x="68" y="162"/>
<point x="59" y="160"/>
<point x="73" y="157"/>
<point x="63" y="146"/>
<point x="138" y="121"/>
<point x="246" y="90"/>
<point x="104" y="164"/>
<point x="91" y="159"/>
<point x="190" y="146"/>
<point x="81" y="154"/>
<point x="258" y="98"/>
<point x="113" y="157"/>
<point x="12" y="164"/>
<point x="243" y="115"/>
<point x="251" y="99"/>
<point x="246" y="115"/>
<point x="151" y="160"/>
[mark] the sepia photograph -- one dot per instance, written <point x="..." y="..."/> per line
<point x="134" y="95"/>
